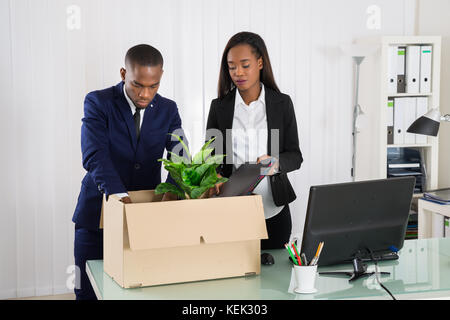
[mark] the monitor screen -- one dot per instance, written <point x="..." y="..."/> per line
<point x="355" y="218"/>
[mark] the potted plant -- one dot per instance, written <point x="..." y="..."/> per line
<point x="195" y="176"/>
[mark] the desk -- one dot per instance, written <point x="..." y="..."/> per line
<point x="425" y="216"/>
<point x="421" y="272"/>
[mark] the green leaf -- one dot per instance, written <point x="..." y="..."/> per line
<point x="210" y="177"/>
<point x="167" y="163"/>
<point x="208" y="143"/>
<point x="183" y="144"/>
<point x="197" y="192"/>
<point x="177" y="166"/>
<point x="164" y="161"/>
<point x="176" y="176"/>
<point x="177" y="159"/>
<point x="168" y="187"/>
<point x="222" y="180"/>
<point x="217" y="159"/>
<point x="174" y="167"/>
<point x="201" y="170"/>
<point x="202" y="155"/>
<point x="191" y="177"/>
<point x="204" y="152"/>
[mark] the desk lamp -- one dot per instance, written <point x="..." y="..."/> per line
<point x="428" y="124"/>
<point x="358" y="52"/>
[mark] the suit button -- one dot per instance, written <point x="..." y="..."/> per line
<point x="100" y="188"/>
<point x="137" y="166"/>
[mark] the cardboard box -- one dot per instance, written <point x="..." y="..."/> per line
<point x="149" y="242"/>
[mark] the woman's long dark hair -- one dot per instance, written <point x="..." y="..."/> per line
<point x="259" y="49"/>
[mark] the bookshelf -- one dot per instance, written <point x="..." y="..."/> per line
<point x="371" y="143"/>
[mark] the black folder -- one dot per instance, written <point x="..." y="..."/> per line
<point x="245" y="179"/>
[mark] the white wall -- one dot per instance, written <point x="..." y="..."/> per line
<point x="433" y="20"/>
<point x="47" y="70"/>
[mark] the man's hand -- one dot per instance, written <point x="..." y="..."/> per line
<point x="126" y="200"/>
<point x="216" y="188"/>
<point x="169" y="197"/>
<point x="275" y="166"/>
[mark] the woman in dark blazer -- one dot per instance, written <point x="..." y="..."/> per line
<point x="251" y="105"/>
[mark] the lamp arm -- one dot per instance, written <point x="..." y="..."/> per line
<point x="445" y="118"/>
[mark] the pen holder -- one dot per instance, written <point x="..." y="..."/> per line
<point x="305" y="276"/>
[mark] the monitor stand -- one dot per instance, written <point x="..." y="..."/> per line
<point x="359" y="270"/>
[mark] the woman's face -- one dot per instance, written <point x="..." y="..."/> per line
<point x="244" y="67"/>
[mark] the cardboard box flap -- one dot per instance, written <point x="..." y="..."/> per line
<point x="192" y="222"/>
<point x="142" y="196"/>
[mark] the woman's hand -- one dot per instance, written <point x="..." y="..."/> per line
<point x="216" y="188"/>
<point x="275" y="166"/>
<point x="169" y="197"/>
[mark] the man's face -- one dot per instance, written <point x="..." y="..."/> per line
<point x="141" y="83"/>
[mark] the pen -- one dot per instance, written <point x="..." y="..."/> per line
<point x="291" y="254"/>
<point x="304" y="259"/>
<point x="296" y="248"/>
<point x="296" y="254"/>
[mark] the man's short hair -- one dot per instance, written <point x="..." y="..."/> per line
<point x="144" y="55"/>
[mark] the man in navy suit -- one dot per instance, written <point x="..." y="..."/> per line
<point x="124" y="132"/>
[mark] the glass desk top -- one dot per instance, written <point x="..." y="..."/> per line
<point x="421" y="272"/>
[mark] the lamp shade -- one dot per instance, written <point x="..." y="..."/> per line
<point x="428" y="124"/>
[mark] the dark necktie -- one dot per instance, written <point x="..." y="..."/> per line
<point x="137" y="121"/>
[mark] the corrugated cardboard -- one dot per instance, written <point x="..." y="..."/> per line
<point x="149" y="242"/>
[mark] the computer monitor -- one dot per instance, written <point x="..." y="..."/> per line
<point x="357" y="219"/>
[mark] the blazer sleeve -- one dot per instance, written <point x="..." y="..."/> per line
<point x="95" y="148"/>
<point x="212" y="117"/>
<point x="176" y="128"/>
<point x="212" y="123"/>
<point x="291" y="158"/>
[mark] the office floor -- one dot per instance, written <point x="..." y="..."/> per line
<point x="68" y="296"/>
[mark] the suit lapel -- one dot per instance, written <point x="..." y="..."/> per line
<point x="225" y="115"/>
<point x="227" y="111"/>
<point x="149" y="116"/>
<point x="124" y="109"/>
<point x="274" y="117"/>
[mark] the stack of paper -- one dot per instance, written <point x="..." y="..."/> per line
<point x="441" y="196"/>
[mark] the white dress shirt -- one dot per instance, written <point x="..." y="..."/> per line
<point x="249" y="135"/>
<point x="132" y="106"/>
<point x="133" y="111"/>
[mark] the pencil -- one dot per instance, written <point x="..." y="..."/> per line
<point x="320" y="251"/>
<point x="296" y="254"/>
<point x="314" y="260"/>
<point x="291" y="254"/>
<point x="318" y="248"/>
